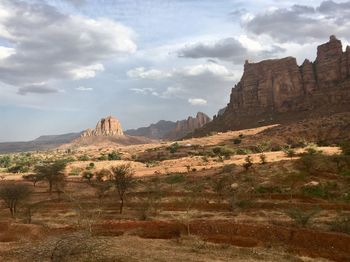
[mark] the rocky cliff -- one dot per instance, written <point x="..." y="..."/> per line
<point x="187" y="126"/>
<point x="108" y="126"/>
<point x="169" y="130"/>
<point x="275" y="91"/>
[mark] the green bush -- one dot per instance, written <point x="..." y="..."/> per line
<point x="322" y="191"/>
<point x="114" y="156"/>
<point x="5" y="161"/>
<point x="173" y="147"/>
<point x="83" y="158"/>
<point x="223" y="151"/>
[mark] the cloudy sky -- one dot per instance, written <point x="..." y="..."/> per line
<point x="64" y="64"/>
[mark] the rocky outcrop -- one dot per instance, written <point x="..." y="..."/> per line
<point x="169" y="130"/>
<point x="274" y="91"/>
<point x="108" y="126"/>
<point x="187" y="126"/>
<point x="158" y="130"/>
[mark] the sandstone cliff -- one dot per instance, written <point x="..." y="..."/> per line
<point x="108" y="126"/>
<point x="169" y="130"/>
<point x="276" y="91"/>
<point x="187" y="126"/>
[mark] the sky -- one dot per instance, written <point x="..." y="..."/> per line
<point x="64" y="64"/>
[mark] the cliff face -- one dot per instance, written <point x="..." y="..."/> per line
<point x="154" y="131"/>
<point x="187" y="126"/>
<point x="279" y="90"/>
<point x="171" y="130"/>
<point x="108" y="126"/>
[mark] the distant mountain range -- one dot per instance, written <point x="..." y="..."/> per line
<point x="39" y="144"/>
<point x="108" y="130"/>
<point x="168" y="130"/>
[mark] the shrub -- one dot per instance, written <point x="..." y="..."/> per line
<point x="114" y="156"/>
<point x="243" y="151"/>
<point x="300" y="217"/>
<point x="102" y="157"/>
<point x="83" y="158"/>
<point x="87" y="175"/>
<point x="223" y="151"/>
<point x="5" y="161"/>
<point x="289" y="151"/>
<point x="237" y="141"/>
<point x="263" y="159"/>
<point x="248" y="163"/>
<point x="173" y="147"/>
<point x="322" y="191"/>
<point x="75" y="171"/>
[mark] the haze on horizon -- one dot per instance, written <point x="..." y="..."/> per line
<point x="64" y="64"/>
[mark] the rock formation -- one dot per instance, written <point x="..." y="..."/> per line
<point x="171" y="130"/>
<point x="187" y="126"/>
<point x="274" y="91"/>
<point x="108" y="126"/>
<point x="158" y="130"/>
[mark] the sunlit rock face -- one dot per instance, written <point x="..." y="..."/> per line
<point x="108" y="126"/>
<point x="278" y="90"/>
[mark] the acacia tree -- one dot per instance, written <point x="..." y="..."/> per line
<point x="123" y="180"/>
<point x="13" y="194"/>
<point x="53" y="173"/>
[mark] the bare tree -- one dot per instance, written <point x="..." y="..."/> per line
<point x="122" y="178"/>
<point x="13" y="194"/>
<point x="53" y="173"/>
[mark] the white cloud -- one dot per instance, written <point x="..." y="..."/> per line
<point x="197" y="101"/>
<point x="187" y="71"/>
<point x="5" y="52"/>
<point x="141" y="72"/>
<point x="87" y="71"/>
<point x="83" y="88"/>
<point x="43" y="44"/>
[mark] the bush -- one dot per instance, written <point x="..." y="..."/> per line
<point x="173" y="147"/>
<point x="223" y="151"/>
<point x="248" y="163"/>
<point x="300" y="217"/>
<point x="237" y="141"/>
<point x="114" y="156"/>
<point x="83" y="158"/>
<point x="289" y="151"/>
<point x="263" y="159"/>
<point x="87" y="175"/>
<point x="5" y="161"/>
<point x="322" y="191"/>
<point x="102" y="157"/>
